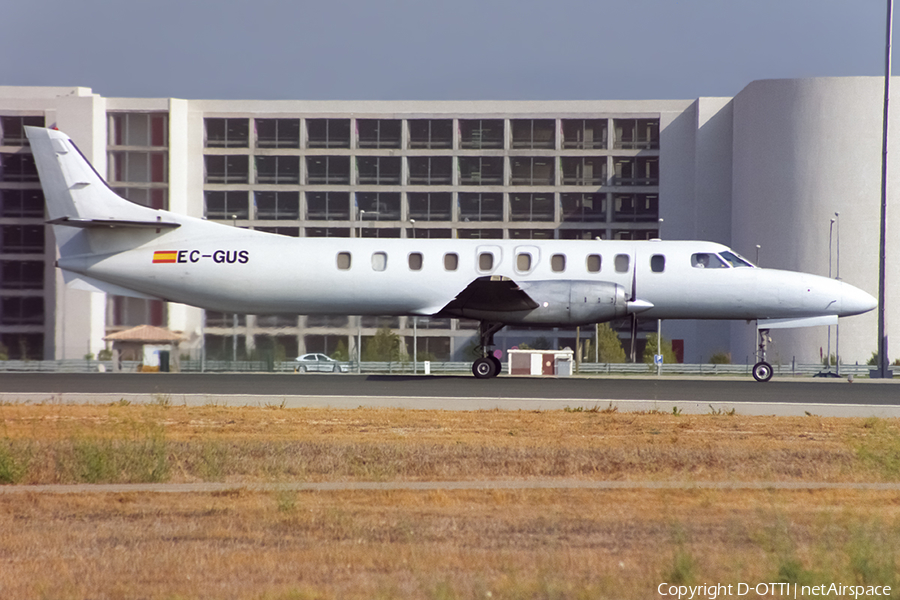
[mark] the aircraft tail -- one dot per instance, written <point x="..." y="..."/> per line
<point x="75" y="193"/>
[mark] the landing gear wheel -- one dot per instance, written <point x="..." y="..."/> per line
<point x="497" y="364"/>
<point x="762" y="371"/>
<point x="485" y="368"/>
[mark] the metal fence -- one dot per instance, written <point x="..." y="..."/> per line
<point x="223" y="366"/>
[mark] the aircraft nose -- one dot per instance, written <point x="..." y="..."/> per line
<point x="854" y="301"/>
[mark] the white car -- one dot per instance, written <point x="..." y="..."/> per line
<point x="319" y="362"/>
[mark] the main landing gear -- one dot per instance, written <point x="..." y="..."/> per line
<point x="762" y="371"/>
<point x="488" y="365"/>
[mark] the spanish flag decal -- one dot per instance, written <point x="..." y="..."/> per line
<point x="165" y="256"/>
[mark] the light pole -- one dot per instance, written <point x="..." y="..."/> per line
<point x="837" y="328"/>
<point x="883" y="372"/>
<point x="757" y="254"/>
<point x="830" y="237"/>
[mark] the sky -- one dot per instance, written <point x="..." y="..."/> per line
<point x="436" y="49"/>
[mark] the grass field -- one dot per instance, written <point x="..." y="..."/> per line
<point x="438" y="544"/>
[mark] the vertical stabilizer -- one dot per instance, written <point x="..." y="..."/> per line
<point x="74" y="192"/>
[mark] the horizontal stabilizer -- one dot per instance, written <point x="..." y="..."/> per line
<point x="87" y="223"/>
<point x="796" y="322"/>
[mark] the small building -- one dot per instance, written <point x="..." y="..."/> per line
<point x="541" y="362"/>
<point x="150" y="345"/>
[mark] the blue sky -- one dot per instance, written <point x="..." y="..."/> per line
<point x="435" y="50"/>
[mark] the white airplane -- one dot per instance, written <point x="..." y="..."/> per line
<point x="109" y="244"/>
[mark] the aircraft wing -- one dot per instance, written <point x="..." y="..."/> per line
<point x="492" y="294"/>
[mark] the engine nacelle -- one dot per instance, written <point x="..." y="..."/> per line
<point x="575" y="302"/>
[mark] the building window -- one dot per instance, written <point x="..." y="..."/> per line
<point x="20" y="310"/>
<point x="379" y="232"/>
<point x="531" y="207"/>
<point x="21" y="275"/>
<point x="12" y="129"/>
<point x="278" y="170"/>
<point x="635" y="234"/>
<point x="139" y="129"/>
<point x="430" y="170"/>
<point x="481" y="134"/>
<point x="433" y="348"/>
<point x="327" y="321"/>
<point x="336" y="232"/>
<point x="636" y="170"/>
<point x="636" y="133"/>
<point x="431" y="133"/>
<point x="584" y="134"/>
<point x="378" y="133"/>
<point x="22" y="203"/>
<point x="220" y="319"/>
<point x="531" y="234"/>
<point x="479" y="234"/>
<point x="128" y="312"/>
<point x="481" y="170"/>
<point x="633" y="208"/>
<point x="378" y="206"/>
<point x="18" y="168"/>
<point x="480" y="207"/>
<point x="227" y="205"/>
<point x="328" y="206"/>
<point x="328" y="170"/>
<point x="227" y="133"/>
<point x="227" y="169"/>
<point x="423" y="233"/>
<point x="584" y="170"/>
<point x="583" y="208"/>
<point x="343" y="260"/>
<point x="378" y="170"/>
<point x="430" y="206"/>
<point x="277" y="205"/>
<point x="22" y="239"/>
<point x="533" y="134"/>
<point x="581" y="234"/>
<point x="277" y="133"/>
<point x="138" y="167"/>
<point x="532" y="170"/>
<point x="328" y="133"/>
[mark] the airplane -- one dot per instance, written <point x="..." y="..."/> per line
<point x="109" y="244"/>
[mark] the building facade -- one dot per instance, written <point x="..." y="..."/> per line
<point x="493" y="170"/>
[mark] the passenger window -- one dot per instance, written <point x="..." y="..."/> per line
<point x="523" y="262"/>
<point x="415" y="261"/>
<point x="558" y="263"/>
<point x="379" y="261"/>
<point x="704" y="260"/>
<point x="657" y="263"/>
<point x="485" y="261"/>
<point x="593" y="263"/>
<point x="451" y="261"/>
<point x="623" y="261"/>
<point x="343" y="260"/>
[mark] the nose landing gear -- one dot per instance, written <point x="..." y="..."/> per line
<point x="488" y="365"/>
<point x="762" y="371"/>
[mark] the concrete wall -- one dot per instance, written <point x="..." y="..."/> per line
<point x="803" y="150"/>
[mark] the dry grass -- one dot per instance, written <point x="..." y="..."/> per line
<point x="436" y="544"/>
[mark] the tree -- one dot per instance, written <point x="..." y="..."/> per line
<point x="665" y="348"/>
<point x="341" y="353"/>
<point x="383" y="346"/>
<point x="609" y="346"/>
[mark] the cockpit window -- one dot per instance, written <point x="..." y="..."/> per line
<point x="705" y="260"/>
<point x="734" y="260"/>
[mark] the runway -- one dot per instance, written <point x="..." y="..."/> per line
<point x="665" y="394"/>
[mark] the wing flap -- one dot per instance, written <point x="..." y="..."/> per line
<point x="493" y="294"/>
